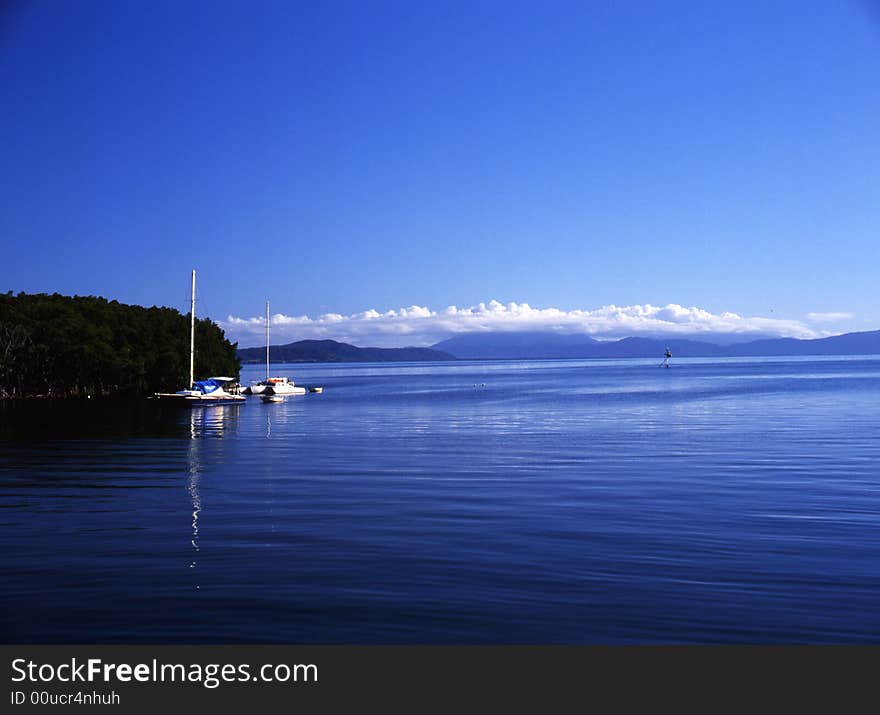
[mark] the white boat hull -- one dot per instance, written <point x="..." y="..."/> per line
<point x="190" y="400"/>
<point x="285" y="389"/>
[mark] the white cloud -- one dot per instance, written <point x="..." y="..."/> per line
<point x="418" y="325"/>
<point x="829" y="317"/>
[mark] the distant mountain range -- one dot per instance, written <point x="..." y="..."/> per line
<point x="332" y="351"/>
<point x="525" y="346"/>
<point x="551" y="345"/>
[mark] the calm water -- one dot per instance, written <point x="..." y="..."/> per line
<point x="509" y="502"/>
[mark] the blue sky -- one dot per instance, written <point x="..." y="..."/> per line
<point x="595" y="161"/>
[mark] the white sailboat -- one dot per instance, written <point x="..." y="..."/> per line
<point x="201" y="393"/>
<point x="277" y="386"/>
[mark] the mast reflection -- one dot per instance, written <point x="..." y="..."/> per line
<point x="192" y="487"/>
<point x="204" y="423"/>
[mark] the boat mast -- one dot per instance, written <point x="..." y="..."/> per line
<point x="192" y="331"/>
<point x="267" y="340"/>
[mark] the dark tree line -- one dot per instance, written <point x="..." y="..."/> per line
<point x="63" y="346"/>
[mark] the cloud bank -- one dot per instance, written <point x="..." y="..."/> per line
<point x="418" y="325"/>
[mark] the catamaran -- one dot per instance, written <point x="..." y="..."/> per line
<point x="201" y="393"/>
<point x="274" y="385"/>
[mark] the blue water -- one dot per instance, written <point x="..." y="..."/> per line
<point x="718" y="501"/>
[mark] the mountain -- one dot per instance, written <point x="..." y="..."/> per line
<point x="332" y="351"/>
<point x="551" y="345"/>
<point x="481" y="346"/>
<point x="517" y="345"/>
<point x="867" y="343"/>
<point x="650" y="347"/>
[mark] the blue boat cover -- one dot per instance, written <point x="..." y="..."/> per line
<point x="206" y="386"/>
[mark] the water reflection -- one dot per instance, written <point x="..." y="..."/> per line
<point x="192" y="486"/>
<point x="218" y="421"/>
<point x="209" y="422"/>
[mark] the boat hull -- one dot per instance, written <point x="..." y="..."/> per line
<point x="174" y="400"/>
<point x="285" y="390"/>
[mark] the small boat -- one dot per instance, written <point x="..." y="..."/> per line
<point x="272" y="398"/>
<point x="319" y="390"/>
<point x="201" y="393"/>
<point x="283" y="386"/>
<point x="273" y="385"/>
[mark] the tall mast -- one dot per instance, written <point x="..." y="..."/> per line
<point x="192" y="331"/>
<point x="267" y="340"/>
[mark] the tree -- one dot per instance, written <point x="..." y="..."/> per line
<point x="85" y="345"/>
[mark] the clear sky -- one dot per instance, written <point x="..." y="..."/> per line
<point x="351" y="158"/>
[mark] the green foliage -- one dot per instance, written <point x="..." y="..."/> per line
<point x="61" y="346"/>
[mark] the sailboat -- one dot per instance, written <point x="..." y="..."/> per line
<point x="278" y="386"/>
<point x="201" y="393"/>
